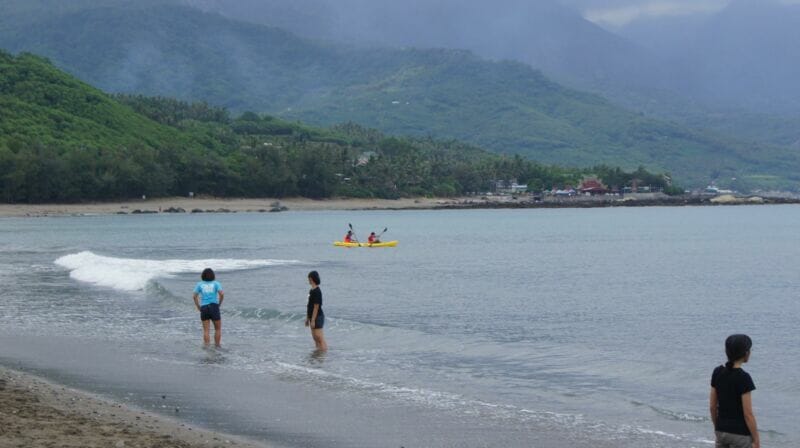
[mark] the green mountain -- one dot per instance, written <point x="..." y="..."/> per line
<point x="39" y="102"/>
<point x="507" y="107"/>
<point x="63" y="140"/>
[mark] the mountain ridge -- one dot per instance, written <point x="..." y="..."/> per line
<point x="671" y="80"/>
<point x="62" y="140"/>
<point x="178" y="51"/>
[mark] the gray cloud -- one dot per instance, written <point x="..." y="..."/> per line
<point x="615" y="13"/>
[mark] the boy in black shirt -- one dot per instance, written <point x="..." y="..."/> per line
<point x="730" y="401"/>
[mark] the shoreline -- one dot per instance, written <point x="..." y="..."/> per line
<point x="266" y="205"/>
<point x="39" y="413"/>
<point x="211" y="205"/>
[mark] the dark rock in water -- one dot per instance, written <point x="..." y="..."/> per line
<point x="175" y="210"/>
<point x="262" y="210"/>
<point x="143" y="212"/>
<point x="277" y="207"/>
<point x="122" y="213"/>
<point x="222" y="210"/>
<point x="197" y="210"/>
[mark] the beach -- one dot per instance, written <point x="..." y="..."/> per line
<point x="264" y="205"/>
<point x="207" y="205"/>
<point x="38" y="413"/>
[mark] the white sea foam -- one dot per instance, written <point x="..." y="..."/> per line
<point x="130" y="274"/>
<point x="431" y="398"/>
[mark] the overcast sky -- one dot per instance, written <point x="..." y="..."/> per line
<point x="616" y="13"/>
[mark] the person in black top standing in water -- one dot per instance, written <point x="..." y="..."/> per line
<point x="730" y="401"/>
<point x="315" y="318"/>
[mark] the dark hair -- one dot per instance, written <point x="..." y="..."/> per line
<point x="314" y="275"/>
<point x="736" y="347"/>
<point x="208" y="275"/>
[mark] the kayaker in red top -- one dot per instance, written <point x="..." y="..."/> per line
<point x="349" y="237"/>
<point x="373" y="238"/>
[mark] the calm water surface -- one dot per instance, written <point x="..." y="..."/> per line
<point x="550" y="328"/>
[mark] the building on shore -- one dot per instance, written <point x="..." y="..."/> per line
<point x="593" y="187"/>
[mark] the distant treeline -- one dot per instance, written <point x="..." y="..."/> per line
<point x="259" y="156"/>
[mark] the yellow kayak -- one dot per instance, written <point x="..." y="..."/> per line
<point x="381" y="244"/>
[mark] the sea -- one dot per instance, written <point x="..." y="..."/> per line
<point x="482" y="328"/>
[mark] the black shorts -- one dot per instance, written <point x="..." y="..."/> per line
<point x="210" y="312"/>
<point x="320" y="322"/>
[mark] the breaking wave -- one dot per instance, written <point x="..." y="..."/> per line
<point x="131" y="274"/>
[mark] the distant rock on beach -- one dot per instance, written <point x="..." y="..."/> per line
<point x="731" y="199"/>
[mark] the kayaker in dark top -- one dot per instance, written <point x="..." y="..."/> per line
<point x="730" y="401"/>
<point x="315" y="318"/>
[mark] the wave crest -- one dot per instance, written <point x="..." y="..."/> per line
<point x="131" y="274"/>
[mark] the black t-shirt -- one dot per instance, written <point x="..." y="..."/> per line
<point x="314" y="298"/>
<point x="731" y="384"/>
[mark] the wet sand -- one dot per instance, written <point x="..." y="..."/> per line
<point x="37" y="413"/>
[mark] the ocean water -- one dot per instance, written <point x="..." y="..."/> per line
<point x="550" y="328"/>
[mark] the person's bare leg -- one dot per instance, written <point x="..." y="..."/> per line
<point x="217" y="332"/>
<point x="319" y="339"/>
<point x="206" y="336"/>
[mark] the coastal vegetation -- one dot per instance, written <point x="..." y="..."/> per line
<point x="170" y="49"/>
<point x="62" y="140"/>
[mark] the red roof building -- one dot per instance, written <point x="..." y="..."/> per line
<point x="593" y="187"/>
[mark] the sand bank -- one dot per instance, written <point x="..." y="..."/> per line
<point x="265" y="205"/>
<point x="37" y="413"/>
<point x="212" y="204"/>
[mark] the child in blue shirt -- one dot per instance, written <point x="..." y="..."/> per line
<point x="208" y="297"/>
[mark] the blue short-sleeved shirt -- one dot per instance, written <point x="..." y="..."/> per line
<point x="208" y="292"/>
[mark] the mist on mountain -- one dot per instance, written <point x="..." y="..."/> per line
<point x="745" y="57"/>
<point x="544" y="34"/>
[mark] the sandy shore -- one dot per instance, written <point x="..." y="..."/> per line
<point x="218" y="205"/>
<point x="211" y="205"/>
<point x="36" y="413"/>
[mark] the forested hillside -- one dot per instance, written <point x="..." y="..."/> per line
<point x="728" y="71"/>
<point x="506" y="107"/>
<point x="63" y="140"/>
